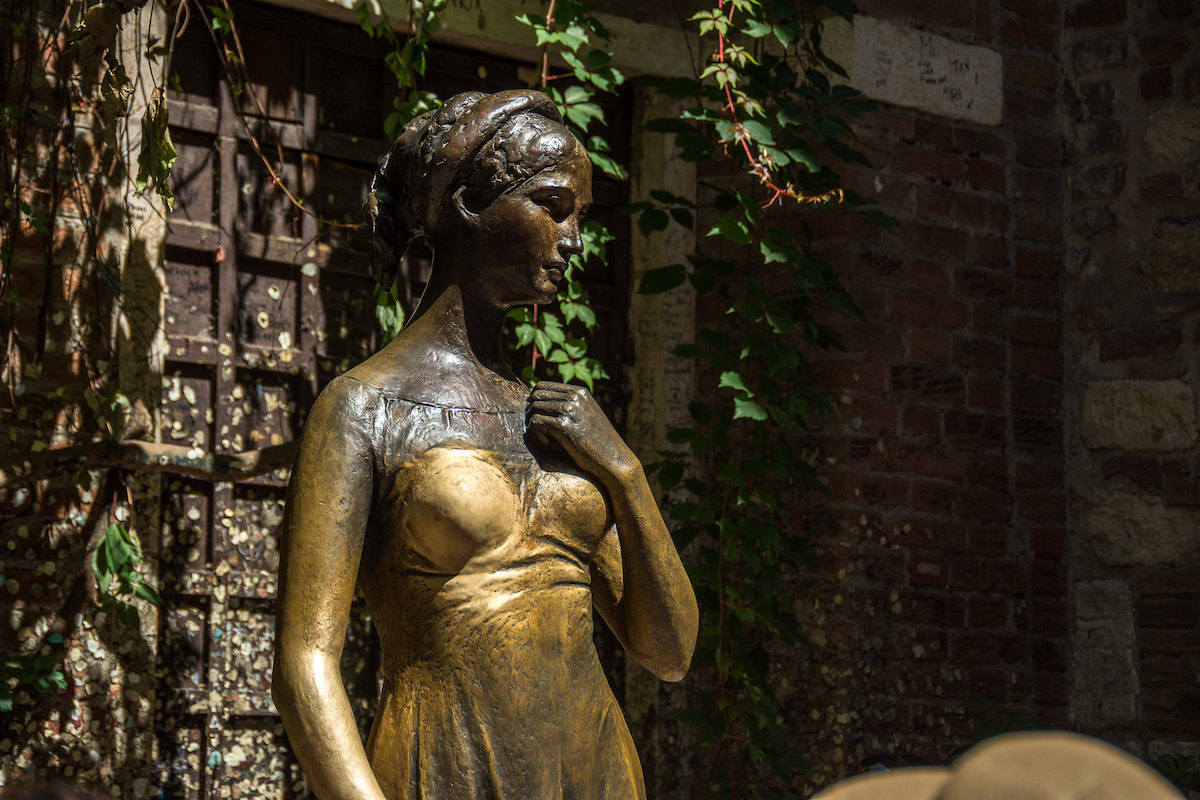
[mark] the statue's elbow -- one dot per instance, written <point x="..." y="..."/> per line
<point x="671" y="664"/>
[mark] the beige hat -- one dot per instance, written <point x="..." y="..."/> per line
<point x="1018" y="766"/>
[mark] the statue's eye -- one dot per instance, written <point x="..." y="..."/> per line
<point x="556" y="205"/>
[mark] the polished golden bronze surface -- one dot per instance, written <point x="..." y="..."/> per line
<point x="481" y="521"/>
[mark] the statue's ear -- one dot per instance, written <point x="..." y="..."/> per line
<point x="465" y="203"/>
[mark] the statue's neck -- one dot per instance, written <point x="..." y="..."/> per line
<point x="449" y="318"/>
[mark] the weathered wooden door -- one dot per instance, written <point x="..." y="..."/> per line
<point x="265" y="304"/>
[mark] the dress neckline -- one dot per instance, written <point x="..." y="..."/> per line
<point x="441" y="406"/>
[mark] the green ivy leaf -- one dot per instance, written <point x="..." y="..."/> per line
<point x="733" y="380"/>
<point x="661" y="279"/>
<point x="732" y="229"/>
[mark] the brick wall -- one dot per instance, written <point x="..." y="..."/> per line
<point x="940" y="607"/>
<point x="1132" y="275"/>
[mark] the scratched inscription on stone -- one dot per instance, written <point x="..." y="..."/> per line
<point x="908" y="67"/>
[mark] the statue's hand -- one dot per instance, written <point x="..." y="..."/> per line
<point x="570" y="416"/>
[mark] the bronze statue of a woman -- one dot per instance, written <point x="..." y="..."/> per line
<point x="481" y="521"/>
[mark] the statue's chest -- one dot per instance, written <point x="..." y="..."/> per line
<point x="459" y="506"/>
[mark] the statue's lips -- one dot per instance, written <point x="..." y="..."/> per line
<point x="555" y="274"/>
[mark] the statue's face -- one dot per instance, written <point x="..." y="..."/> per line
<point x="524" y="238"/>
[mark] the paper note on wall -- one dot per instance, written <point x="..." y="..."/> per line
<point x="908" y="67"/>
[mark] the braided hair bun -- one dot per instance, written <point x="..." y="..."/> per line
<point x="485" y="142"/>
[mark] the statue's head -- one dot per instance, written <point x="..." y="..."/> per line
<point x="495" y="178"/>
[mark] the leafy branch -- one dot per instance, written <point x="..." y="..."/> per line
<point x="775" y="121"/>
<point x="566" y="33"/>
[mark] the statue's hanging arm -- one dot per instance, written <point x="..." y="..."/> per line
<point x="324" y="529"/>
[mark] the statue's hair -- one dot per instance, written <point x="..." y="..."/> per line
<point x="488" y="143"/>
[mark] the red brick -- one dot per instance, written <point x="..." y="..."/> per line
<point x="1037" y="431"/>
<point x="920" y="420"/>
<point x="1049" y="655"/>
<point x="985" y="176"/>
<point x="983" y="284"/>
<point x="1051" y="689"/>
<point x="973" y="142"/>
<point x="882" y="264"/>
<point x="1031" y="34"/>
<point x="989" y="541"/>
<point x="949" y="243"/>
<point x="979" y="647"/>
<point x="985" y="505"/>
<point x="928" y="382"/>
<point x="926" y="534"/>
<point x="1003" y="575"/>
<point x="988" y="470"/>
<point x="1037" y="361"/>
<point x="1036" y="331"/>
<point x="1038" y="149"/>
<point x="987" y="612"/>
<point x="1029" y="69"/>
<point x="870" y="488"/>
<point x="1176" y="10"/>
<point x="1168" y="612"/>
<point x="927" y="311"/>
<point x="1042" y="506"/>
<point x="931" y="165"/>
<point x="1036" y="295"/>
<point x="966" y="428"/>
<point x="1182" y="491"/>
<point x="981" y="212"/>
<point x="925" y="459"/>
<point x="1048" y="578"/>
<point x="1158" y="370"/>
<point x="896" y="123"/>
<point x="934" y="201"/>
<point x="1030" y="9"/>
<point x="985" y="391"/>
<point x="885" y="566"/>
<point x="1048" y="616"/>
<point x="932" y="276"/>
<point x="990" y="321"/>
<point x="1040" y="474"/>
<point x="1097" y="14"/>
<point x="1022" y="103"/>
<point x="933" y="134"/>
<point x="856" y="374"/>
<point x="929" y="346"/>
<point x="1140" y="340"/>
<point x="872" y="414"/>
<point x="1036" y="262"/>
<point x="932" y="497"/>
<point x="926" y="570"/>
<point x="1163" y="48"/>
<point x="1162" y="186"/>
<point x="979" y="353"/>
<point x="1155" y="83"/>
<point x="1044" y="185"/>
<point x="1037" y="222"/>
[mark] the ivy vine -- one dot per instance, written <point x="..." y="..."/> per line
<point x="765" y="110"/>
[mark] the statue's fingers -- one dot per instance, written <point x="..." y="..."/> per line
<point x="552" y="392"/>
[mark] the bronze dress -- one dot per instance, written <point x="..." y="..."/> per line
<point x="476" y="567"/>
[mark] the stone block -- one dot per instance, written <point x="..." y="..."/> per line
<point x="1139" y="415"/>
<point x="1172" y="258"/>
<point x="1173" y="135"/>
<point x="1099" y="180"/>
<point x="1106" y="684"/>
<point x="1100" y="136"/>
<point x="1134" y="530"/>
<point x="1092" y="221"/>
<point x="1100" y="53"/>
